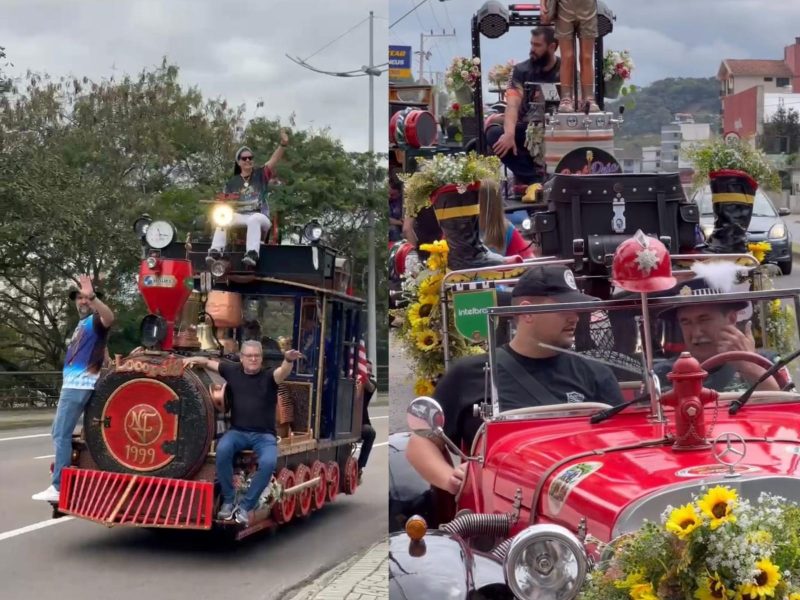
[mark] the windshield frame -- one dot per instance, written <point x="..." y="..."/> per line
<point x="654" y="305"/>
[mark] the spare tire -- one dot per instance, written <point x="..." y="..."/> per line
<point x="161" y="426"/>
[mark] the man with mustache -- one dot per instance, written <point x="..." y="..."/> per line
<point x="508" y="141"/>
<point x="527" y="373"/>
<point x="711" y="329"/>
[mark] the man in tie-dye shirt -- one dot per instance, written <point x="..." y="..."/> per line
<point x="85" y="354"/>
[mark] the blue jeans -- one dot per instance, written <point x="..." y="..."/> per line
<point x="266" y="448"/>
<point x="71" y="403"/>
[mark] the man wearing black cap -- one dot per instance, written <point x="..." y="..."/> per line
<point x="251" y="184"/>
<point x="528" y="372"/>
<point x="85" y="355"/>
<point x="710" y="329"/>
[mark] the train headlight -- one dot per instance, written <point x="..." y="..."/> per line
<point x="219" y="268"/>
<point x="312" y="232"/>
<point x="222" y="215"/>
<point x="545" y="562"/>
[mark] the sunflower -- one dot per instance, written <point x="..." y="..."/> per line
<point x="423" y="387"/>
<point x="430" y="286"/>
<point x="718" y="505"/>
<point x="631" y="580"/>
<point x="643" y="591"/>
<point x="437" y="262"/>
<point x="765" y="582"/>
<point x="437" y="247"/>
<point x="759" y="250"/>
<point x="427" y="340"/>
<point x="428" y="300"/>
<point x="682" y="521"/>
<point x="419" y="313"/>
<point x="794" y="596"/>
<point x="712" y="588"/>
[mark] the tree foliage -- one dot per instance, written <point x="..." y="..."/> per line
<point x="80" y="160"/>
<point x="782" y="133"/>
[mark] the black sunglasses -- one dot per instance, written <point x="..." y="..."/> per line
<point x="246" y="158"/>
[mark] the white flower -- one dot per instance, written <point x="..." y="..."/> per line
<point x="476" y="61"/>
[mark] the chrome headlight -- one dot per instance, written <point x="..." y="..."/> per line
<point x="777" y="231"/>
<point x="222" y="215"/>
<point x="545" y="562"/>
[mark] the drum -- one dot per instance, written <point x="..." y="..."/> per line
<point x="413" y="127"/>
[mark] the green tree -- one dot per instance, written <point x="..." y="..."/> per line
<point x="782" y="133"/>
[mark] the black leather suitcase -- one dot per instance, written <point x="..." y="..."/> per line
<point x="588" y="216"/>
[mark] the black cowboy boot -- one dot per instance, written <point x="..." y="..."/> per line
<point x="732" y="195"/>
<point x="458" y="218"/>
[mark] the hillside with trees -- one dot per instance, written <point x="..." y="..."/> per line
<point x="650" y="107"/>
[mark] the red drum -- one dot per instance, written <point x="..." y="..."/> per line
<point x="420" y="129"/>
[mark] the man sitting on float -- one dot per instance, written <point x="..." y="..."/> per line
<point x="506" y="132"/>
<point x="251" y="186"/>
<point x="530" y="371"/>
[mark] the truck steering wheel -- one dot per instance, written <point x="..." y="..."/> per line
<point x="781" y="377"/>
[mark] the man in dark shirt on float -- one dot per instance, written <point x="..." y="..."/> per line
<point x="253" y="393"/>
<point x="527" y="372"/>
<point x="508" y="141"/>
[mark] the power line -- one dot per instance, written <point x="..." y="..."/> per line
<point x="337" y="39"/>
<point x="408" y="13"/>
<point x="435" y="18"/>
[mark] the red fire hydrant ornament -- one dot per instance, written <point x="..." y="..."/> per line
<point x="688" y="397"/>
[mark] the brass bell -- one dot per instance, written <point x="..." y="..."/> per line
<point x="206" y="336"/>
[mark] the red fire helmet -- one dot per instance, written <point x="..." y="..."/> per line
<point x="642" y="264"/>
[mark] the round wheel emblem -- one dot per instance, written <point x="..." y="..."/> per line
<point x="143" y="424"/>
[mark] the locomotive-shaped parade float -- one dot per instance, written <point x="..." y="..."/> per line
<point x="146" y="454"/>
<point x="554" y="490"/>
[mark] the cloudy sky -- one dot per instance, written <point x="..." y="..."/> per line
<point x="229" y="49"/>
<point x="667" y="38"/>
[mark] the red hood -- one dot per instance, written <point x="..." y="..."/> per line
<point x="599" y="471"/>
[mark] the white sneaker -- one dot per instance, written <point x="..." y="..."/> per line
<point x="51" y="494"/>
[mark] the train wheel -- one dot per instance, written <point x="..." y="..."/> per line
<point x="321" y="491"/>
<point x="303" y="506"/>
<point x="283" y="511"/>
<point x="333" y="480"/>
<point x="350" y="476"/>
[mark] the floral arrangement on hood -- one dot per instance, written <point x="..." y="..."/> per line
<point x="717" y="547"/>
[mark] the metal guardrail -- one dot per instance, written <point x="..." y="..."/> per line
<point x="29" y="389"/>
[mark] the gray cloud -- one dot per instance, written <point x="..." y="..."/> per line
<point x="227" y="49"/>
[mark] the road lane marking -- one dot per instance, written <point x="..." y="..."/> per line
<point x="28" y="528"/>
<point x="24" y="437"/>
<point x="376" y="418"/>
<point x="382" y="444"/>
<point x="45" y="456"/>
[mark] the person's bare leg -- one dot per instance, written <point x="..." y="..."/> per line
<point x="567" y="46"/>
<point x="587" y="73"/>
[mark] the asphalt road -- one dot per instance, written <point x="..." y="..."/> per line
<point x="74" y="559"/>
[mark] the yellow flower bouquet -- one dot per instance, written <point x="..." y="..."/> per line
<point x="717" y="547"/>
<point x="421" y="323"/>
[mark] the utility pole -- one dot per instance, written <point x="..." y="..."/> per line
<point x="372" y="329"/>
<point x="422" y="54"/>
<point x="372" y="70"/>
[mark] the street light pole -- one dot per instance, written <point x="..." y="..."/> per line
<point x="372" y="329"/>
